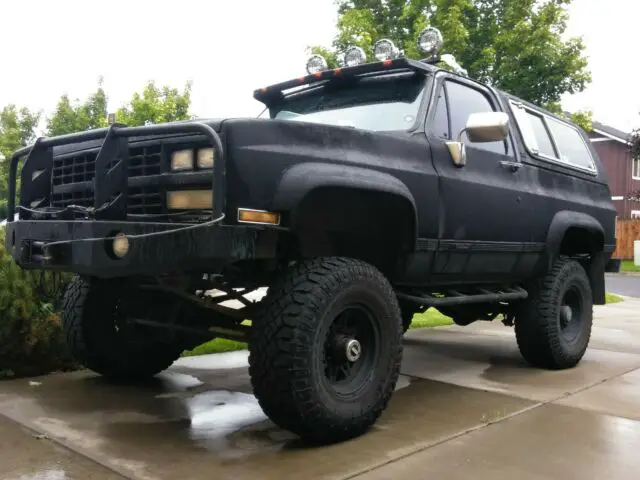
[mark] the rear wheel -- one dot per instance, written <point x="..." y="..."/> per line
<point x="96" y="318"/>
<point x="326" y="350"/>
<point x="553" y="326"/>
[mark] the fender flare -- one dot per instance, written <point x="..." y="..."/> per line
<point x="563" y="221"/>
<point x="299" y="180"/>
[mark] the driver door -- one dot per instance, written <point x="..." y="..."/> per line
<point x="484" y="233"/>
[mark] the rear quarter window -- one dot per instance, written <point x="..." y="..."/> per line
<point x="573" y="149"/>
<point x="553" y="140"/>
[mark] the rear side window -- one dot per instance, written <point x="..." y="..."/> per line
<point x="545" y="146"/>
<point x="571" y="145"/>
<point x="551" y="139"/>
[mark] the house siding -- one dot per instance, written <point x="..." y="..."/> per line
<point x="616" y="159"/>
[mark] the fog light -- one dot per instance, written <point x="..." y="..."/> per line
<point x="385" y="50"/>
<point x="120" y="245"/>
<point x="206" y="157"/>
<point x="354" y="56"/>
<point x="182" y="160"/>
<point x="247" y="215"/>
<point x="316" y="64"/>
<point x="430" y="41"/>
<point x="190" y="200"/>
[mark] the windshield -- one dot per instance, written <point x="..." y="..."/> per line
<point x="378" y="104"/>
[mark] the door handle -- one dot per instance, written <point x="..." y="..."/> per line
<point x="514" y="166"/>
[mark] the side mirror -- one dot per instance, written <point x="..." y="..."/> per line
<point x="481" y="127"/>
<point x="487" y="127"/>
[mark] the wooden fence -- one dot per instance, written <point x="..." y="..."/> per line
<point x="628" y="231"/>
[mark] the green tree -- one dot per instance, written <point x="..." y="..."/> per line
<point x="77" y="116"/>
<point x="515" y="45"/>
<point x="156" y="105"/>
<point x="17" y="129"/>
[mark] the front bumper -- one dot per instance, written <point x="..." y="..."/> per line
<point x="206" y="248"/>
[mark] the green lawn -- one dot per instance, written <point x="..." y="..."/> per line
<point x="611" y="298"/>
<point x="429" y="319"/>
<point x="629" y="266"/>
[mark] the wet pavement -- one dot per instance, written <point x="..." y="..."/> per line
<point x="466" y="406"/>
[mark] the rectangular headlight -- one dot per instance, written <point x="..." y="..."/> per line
<point x="206" y="158"/>
<point x="182" y="160"/>
<point x="248" y="215"/>
<point x="190" y="200"/>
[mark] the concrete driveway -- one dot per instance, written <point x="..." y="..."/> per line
<point x="466" y="407"/>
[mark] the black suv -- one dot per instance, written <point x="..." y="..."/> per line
<point x="369" y="193"/>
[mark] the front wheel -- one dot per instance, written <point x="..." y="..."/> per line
<point x="325" y="353"/>
<point x="553" y="326"/>
<point x="96" y="318"/>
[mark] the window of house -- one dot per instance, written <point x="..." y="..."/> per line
<point x="635" y="168"/>
<point x="463" y="101"/>
<point x="635" y="213"/>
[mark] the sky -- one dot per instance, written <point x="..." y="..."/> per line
<point x="228" y="49"/>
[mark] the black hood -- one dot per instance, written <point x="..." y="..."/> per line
<point x="214" y="123"/>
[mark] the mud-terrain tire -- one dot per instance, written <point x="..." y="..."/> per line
<point x="302" y="369"/>
<point x="90" y="312"/>
<point x="553" y="325"/>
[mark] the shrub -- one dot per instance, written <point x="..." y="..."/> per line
<point x="31" y="337"/>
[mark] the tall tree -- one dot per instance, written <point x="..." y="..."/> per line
<point x="77" y="116"/>
<point x="515" y="45"/>
<point x="156" y="105"/>
<point x="17" y="129"/>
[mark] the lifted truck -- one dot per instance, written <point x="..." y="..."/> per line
<point x="369" y="193"/>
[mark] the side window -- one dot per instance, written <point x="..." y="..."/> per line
<point x="440" y="126"/>
<point x="545" y="146"/>
<point x="463" y="101"/>
<point x="571" y="145"/>
<point x="556" y="140"/>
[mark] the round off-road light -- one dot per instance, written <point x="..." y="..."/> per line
<point x="385" y="50"/>
<point x="354" y="56"/>
<point x="120" y="245"/>
<point x="316" y="64"/>
<point x="430" y="41"/>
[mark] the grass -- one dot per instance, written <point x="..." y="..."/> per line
<point x="629" y="266"/>
<point x="611" y="298"/>
<point x="429" y="319"/>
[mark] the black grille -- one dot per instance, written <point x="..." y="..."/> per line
<point x="74" y="169"/>
<point x="81" y="169"/>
